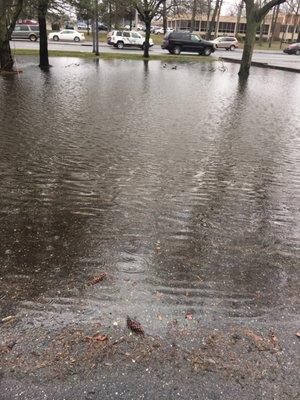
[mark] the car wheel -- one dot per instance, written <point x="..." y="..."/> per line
<point x="32" y="38"/>
<point x="297" y="52"/>
<point x="232" y="47"/>
<point x="207" y="51"/>
<point x="76" y="39"/>
<point x="227" y="48"/>
<point x="56" y="38"/>
<point x="120" y="45"/>
<point x="177" y="50"/>
<point x="171" y="51"/>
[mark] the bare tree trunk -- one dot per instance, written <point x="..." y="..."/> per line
<point x="44" y="56"/>
<point x="218" y="19"/>
<point x="248" y="48"/>
<point x="109" y="15"/>
<point x="284" y="35"/>
<point x="296" y="22"/>
<point x="261" y="31"/>
<point x="8" y="18"/>
<point x="6" y="60"/>
<point x="194" y="12"/>
<point x="93" y="33"/>
<point x="147" y="38"/>
<point x="274" y="20"/>
<point x="131" y="18"/>
<point x="208" y="21"/>
<point x="213" y="20"/>
<point x="165" y="19"/>
<point x="238" y="18"/>
<point x="255" y="15"/>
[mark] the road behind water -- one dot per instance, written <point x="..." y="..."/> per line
<point x="277" y="58"/>
<point x="183" y="187"/>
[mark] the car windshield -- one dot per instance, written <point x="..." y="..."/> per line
<point x="195" y="38"/>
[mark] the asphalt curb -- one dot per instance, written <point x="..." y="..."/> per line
<point x="261" y="64"/>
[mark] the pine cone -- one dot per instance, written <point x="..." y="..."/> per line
<point x="135" y="326"/>
<point x="98" y="278"/>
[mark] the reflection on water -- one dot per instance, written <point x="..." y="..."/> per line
<point x="181" y="184"/>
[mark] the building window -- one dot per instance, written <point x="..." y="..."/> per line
<point x="282" y="28"/>
<point x="227" y="27"/>
<point x="242" y="28"/>
<point x="184" y="24"/>
<point x="203" y="26"/>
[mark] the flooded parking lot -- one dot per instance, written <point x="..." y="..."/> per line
<point x="181" y="185"/>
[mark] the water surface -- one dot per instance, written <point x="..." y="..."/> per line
<point x="183" y="185"/>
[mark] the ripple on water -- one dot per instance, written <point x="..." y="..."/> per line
<point x="186" y="195"/>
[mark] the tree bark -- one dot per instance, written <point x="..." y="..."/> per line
<point x="208" y="21"/>
<point x="248" y="48"/>
<point x="6" y="59"/>
<point x="8" y="18"/>
<point x="274" y="21"/>
<point x="147" y="38"/>
<point x="213" y="20"/>
<point x="254" y="16"/>
<point x="238" y="18"/>
<point x="296" y="22"/>
<point x="194" y="12"/>
<point x="218" y="19"/>
<point x="261" y="31"/>
<point x="44" y="56"/>
<point x="165" y="19"/>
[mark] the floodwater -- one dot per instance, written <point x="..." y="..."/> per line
<point x="181" y="184"/>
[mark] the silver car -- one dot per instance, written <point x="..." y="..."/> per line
<point x="228" y="43"/>
<point x="29" y="32"/>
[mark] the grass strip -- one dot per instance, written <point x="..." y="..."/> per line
<point x="115" y="56"/>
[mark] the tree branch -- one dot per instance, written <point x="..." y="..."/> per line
<point x="267" y="7"/>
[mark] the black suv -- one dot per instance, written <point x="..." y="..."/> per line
<point x="176" y="42"/>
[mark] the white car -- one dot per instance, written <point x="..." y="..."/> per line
<point x="67" y="34"/>
<point x="226" y="42"/>
<point x="160" y="31"/>
<point x="121" y="39"/>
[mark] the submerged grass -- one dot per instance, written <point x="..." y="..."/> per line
<point x="115" y="56"/>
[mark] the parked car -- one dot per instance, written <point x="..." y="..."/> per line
<point x="122" y="39"/>
<point x="160" y="31"/>
<point x="102" y="27"/>
<point x="30" y="32"/>
<point x="81" y="26"/>
<point x="228" y="43"/>
<point x="293" y="49"/>
<point x="176" y="42"/>
<point x="66" y="34"/>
